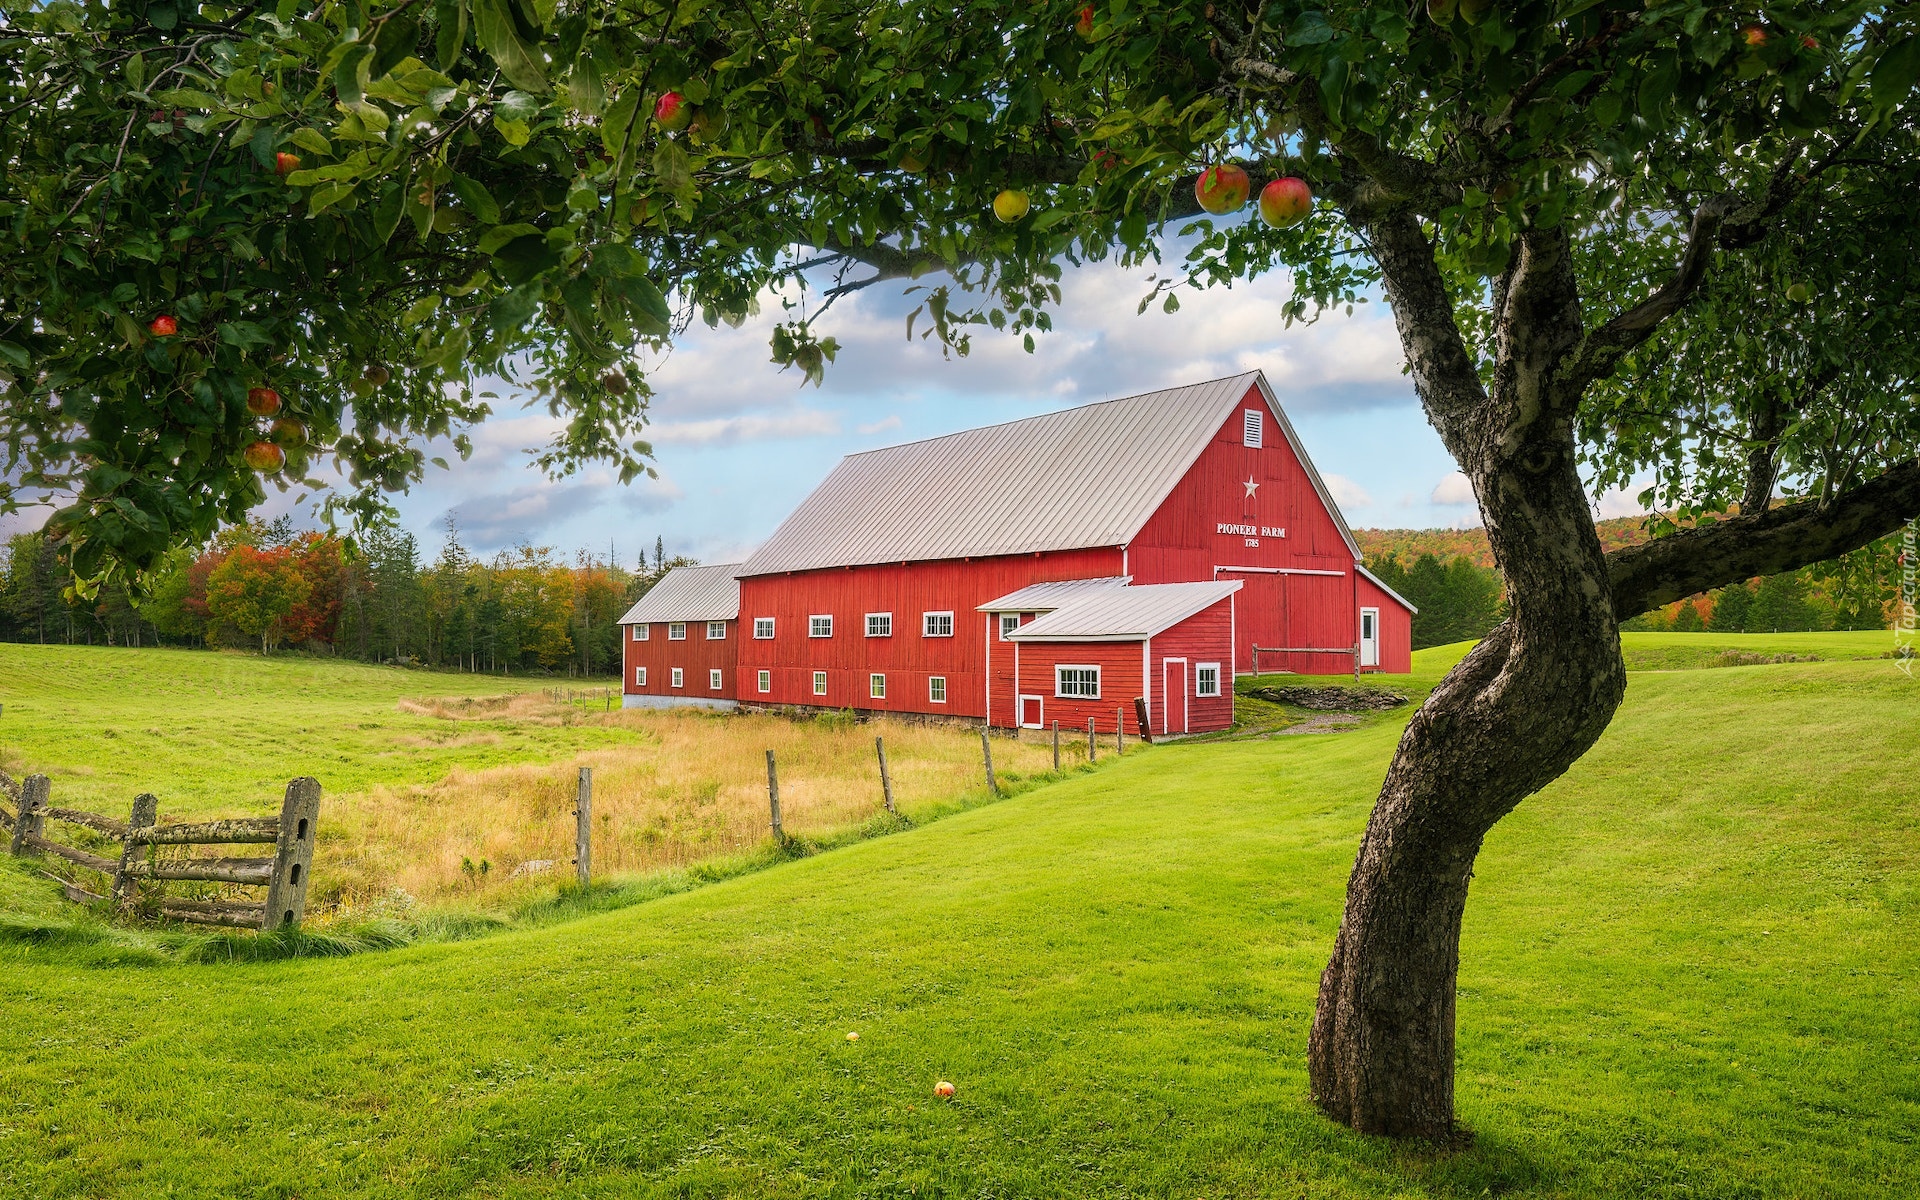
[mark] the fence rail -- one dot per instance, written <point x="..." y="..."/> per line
<point x="285" y="875"/>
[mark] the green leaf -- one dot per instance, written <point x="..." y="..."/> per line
<point x="493" y="25"/>
<point x="450" y="32"/>
<point x="671" y="167"/>
<point x="525" y="258"/>
<point x="499" y="236"/>
<point x="422" y="308"/>
<point x="617" y="126"/>
<point x="311" y="140"/>
<point x="347" y="76"/>
<point x="1895" y="73"/>
<point x="1310" y="30"/>
<point x="478" y="200"/>
<point x="137" y="72"/>
<point x="398" y="37"/>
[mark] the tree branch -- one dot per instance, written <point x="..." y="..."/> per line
<point x="1779" y="539"/>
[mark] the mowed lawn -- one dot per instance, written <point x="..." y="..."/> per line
<point x="1689" y="970"/>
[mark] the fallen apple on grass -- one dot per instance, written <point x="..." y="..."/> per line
<point x="944" y="1090"/>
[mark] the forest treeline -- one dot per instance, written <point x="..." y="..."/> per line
<point x="527" y="609"/>
<point x="269" y="587"/>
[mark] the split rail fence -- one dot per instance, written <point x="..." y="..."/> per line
<point x="285" y="875"/>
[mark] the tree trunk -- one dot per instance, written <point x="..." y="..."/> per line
<point x="1512" y="716"/>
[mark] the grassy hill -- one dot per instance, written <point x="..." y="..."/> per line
<point x="1689" y="970"/>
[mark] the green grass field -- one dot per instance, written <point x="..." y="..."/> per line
<point x="1689" y="970"/>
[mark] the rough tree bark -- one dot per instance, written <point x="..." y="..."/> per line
<point x="1522" y="707"/>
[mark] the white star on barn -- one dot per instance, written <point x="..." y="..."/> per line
<point x="1252" y="487"/>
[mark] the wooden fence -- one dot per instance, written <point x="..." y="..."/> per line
<point x="285" y="876"/>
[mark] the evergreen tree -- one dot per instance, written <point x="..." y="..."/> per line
<point x="1732" y="605"/>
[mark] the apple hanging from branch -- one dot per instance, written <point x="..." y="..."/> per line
<point x="263" y="401"/>
<point x="1222" y="188"/>
<point x="1285" y="202"/>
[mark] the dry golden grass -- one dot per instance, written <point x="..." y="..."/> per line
<point x="686" y="786"/>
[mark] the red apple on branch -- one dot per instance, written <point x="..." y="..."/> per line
<point x="1754" y="35"/>
<point x="264" y="457"/>
<point x="285" y="164"/>
<point x="1083" y="22"/>
<point x="672" y="113"/>
<point x="163" y="326"/>
<point x="1285" y="202"/>
<point x="1222" y="188"/>
<point x="263" y="401"/>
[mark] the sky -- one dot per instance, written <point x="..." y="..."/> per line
<point x="738" y="443"/>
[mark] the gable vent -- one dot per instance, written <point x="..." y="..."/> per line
<point x="1253" y="425"/>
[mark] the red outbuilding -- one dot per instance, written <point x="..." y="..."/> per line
<point x="682" y="639"/>
<point x="971" y="575"/>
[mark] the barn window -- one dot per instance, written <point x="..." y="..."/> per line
<point x="936" y="624"/>
<point x="879" y="624"/>
<point x="716" y="631"/>
<point x="820" y="626"/>
<point x="766" y="681"/>
<point x="1081" y="683"/>
<point x="877" y="686"/>
<point x="679" y="677"/>
<point x="1206" y="679"/>
<point x="937" y="689"/>
<point x="1253" y="424"/>
<point x="763" y="628"/>
<point x="641" y="632"/>
<point x="713" y="679"/>
<point x="1008" y="623"/>
<point x="639" y="677"/>
<point x="819" y="683"/>
<point x="677" y="631"/>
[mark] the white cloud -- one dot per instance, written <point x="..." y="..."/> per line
<point x="1454" y="489"/>
<point x="884" y="425"/>
<point x="752" y="427"/>
<point x="1622" y="501"/>
<point x="1346" y="493"/>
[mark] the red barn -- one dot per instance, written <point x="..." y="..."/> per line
<point x="681" y="640"/>
<point x="907" y="581"/>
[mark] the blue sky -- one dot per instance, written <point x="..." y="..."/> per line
<point x="738" y="443"/>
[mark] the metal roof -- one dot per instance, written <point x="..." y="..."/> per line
<point x="690" y="594"/>
<point x="1377" y="582"/>
<point x="1083" y="477"/>
<point x="1045" y="597"/>
<point x="1124" y="613"/>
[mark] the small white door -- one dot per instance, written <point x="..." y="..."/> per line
<point x="1369" y="637"/>
<point x="1173" y="682"/>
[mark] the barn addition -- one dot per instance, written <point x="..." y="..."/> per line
<point x="962" y="575"/>
<point x="680" y="644"/>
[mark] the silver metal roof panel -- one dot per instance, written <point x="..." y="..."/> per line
<point x="1056" y="593"/>
<point x="1083" y="477"/>
<point x="1124" y="613"/>
<point x="690" y="594"/>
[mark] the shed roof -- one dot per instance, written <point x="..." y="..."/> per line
<point x="690" y="594"/>
<point x="1125" y="613"/>
<point x="1382" y="585"/>
<point x="1055" y="593"/>
<point x="1080" y="478"/>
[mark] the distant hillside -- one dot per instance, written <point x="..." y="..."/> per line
<point x="1444" y="544"/>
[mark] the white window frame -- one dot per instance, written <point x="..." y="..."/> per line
<point x="936" y="689"/>
<point x="1059" y="680"/>
<point x="819" y="683"/>
<point x="927" y="620"/>
<point x="1253" y="428"/>
<point x="642" y="632"/>
<point x="679" y="677"/>
<point x="676" y="631"/>
<point x="766" y="682"/>
<point x="814" y="629"/>
<point x="1200" y="671"/>
<point x="880" y="624"/>
<point x="720" y="627"/>
<point x="1369" y="646"/>
<point x="1008" y="623"/>
<point x="763" y="629"/>
<point x="639" y="677"/>
<point x="713" y="679"/>
<point x="876" y="686"/>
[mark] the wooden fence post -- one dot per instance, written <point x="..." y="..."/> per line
<point x="583" y="827"/>
<point x="1091" y="750"/>
<point x="986" y="756"/>
<point x="1119" y="731"/>
<point x="1056" y="745"/>
<point x="773" y="799"/>
<point x="292" y="855"/>
<point x="886" y="782"/>
<point x="34" y="791"/>
<point x="1140" y="715"/>
<point x="1356" y="660"/>
<point x="146" y="810"/>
